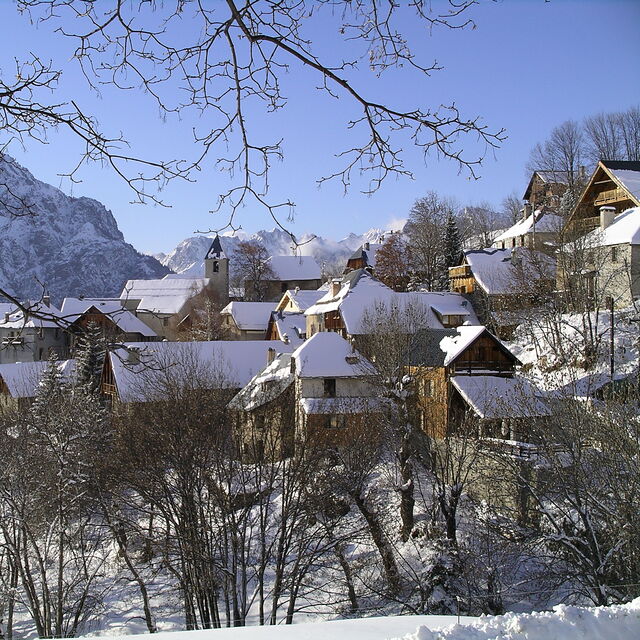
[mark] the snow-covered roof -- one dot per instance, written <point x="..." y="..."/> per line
<point x="498" y="271"/>
<point x="149" y="368"/>
<point x="51" y="316"/>
<point x="301" y="299"/>
<point x="127" y="322"/>
<point x="555" y="177"/>
<point x="453" y="346"/>
<point x="367" y="254"/>
<point x="539" y="221"/>
<point x="344" y="405"/>
<point x="495" y="397"/>
<point x="295" y="268"/>
<point x="625" y="229"/>
<point x="362" y="295"/>
<point x="265" y="386"/>
<point x="167" y="295"/>
<point x="250" y="316"/>
<point x="328" y="355"/>
<point x="215" y="251"/>
<point x="22" y="378"/>
<point x="627" y="174"/>
<point x="291" y="326"/>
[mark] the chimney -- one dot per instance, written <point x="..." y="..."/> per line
<point x="335" y="287"/>
<point x="366" y="246"/>
<point x="6" y="316"/>
<point x="527" y="211"/>
<point x="285" y="338"/>
<point x="582" y="172"/>
<point x="133" y="355"/>
<point x="607" y="214"/>
<point x="271" y="355"/>
<point x="46" y="300"/>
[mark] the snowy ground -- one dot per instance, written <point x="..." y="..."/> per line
<point x="618" y="622"/>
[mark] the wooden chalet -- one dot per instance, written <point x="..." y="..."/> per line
<point x="545" y="189"/>
<point x="613" y="188"/>
<point x="465" y="371"/>
<point x="364" y="257"/>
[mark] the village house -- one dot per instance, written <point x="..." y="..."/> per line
<point x="469" y="371"/>
<point x="358" y="304"/>
<point x="502" y="282"/>
<point x="538" y="229"/>
<point x="115" y="322"/>
<point x="246" y="320"/>
<point x="605" y="263"/>
<point x="546" y="188"/>
<point x="319" y="395"/>
<point x="613" y="188"/>
<point x="164" y="303"/>
<point x="364" y="257"/>
<point x="19" y="382"/>
<point x="34" y="335"/>
<point x="289" y="272"/>
<point x="142" y="371"/>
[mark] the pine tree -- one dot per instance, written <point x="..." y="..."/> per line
<point x="451" y="251"/>
<point x="90" y="355"/>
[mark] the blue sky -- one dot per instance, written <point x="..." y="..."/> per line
<point x="528" y="66"/>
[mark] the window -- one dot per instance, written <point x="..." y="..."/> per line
<point x="215" y="266"/>
<point x="334" y="422"/>
<point x="425" y="388"/>
<point x="259" y="422"/>
<point x="329" y="387"/>
<point x="165" y="322"/>
<point x="614" y="254"/>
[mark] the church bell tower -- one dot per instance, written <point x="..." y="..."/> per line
<point x="216" y="268"/>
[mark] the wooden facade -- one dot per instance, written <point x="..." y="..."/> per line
<point x="604" y="189"/>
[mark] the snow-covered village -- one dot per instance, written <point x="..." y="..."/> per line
<point x="319" y="319"/>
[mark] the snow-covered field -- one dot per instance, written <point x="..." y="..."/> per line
<point x="617" y="622"/>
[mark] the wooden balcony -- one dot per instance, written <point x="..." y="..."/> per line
<point x="585" y="225"/>
<point x="462" y="271"/>
<point x="612" y="195"/>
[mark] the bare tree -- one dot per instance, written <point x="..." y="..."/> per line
<point x="425" y="230"/>
<point x="253" y="269"/>
<point x="235" y="56"/>
<point x="394" y="263"/>
<point x="563" y="152"/>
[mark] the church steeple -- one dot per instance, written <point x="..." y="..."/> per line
<point x="216" y="268"/>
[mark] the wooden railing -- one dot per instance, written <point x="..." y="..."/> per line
<point x="463" y="271"/>
<point x="584" y="225"/>
<point x="612" y="195"/>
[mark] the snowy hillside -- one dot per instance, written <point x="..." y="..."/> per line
<point x="618" y="622"/>
<point x="71" y="245"/>
<point x="188" y="256"/>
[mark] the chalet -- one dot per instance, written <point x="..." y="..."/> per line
<point x="358" y="304"/>
<point x="502" y="281"/>
<point x="19" y="382"/>
<point x="143" y="371"/>
<point x="287" y="326"/>
<point x="116" y="322"/>
<point x="289" y="272"/>
<point x="546" y="188"/>
<point x="539" y="229"/>
<point x="613" y="188"/>
<point x="605" y="262"/>
<point x="34" y="335"/>
<point x="468" y="371"/>
<point x="162" y="304"/>
<point x="299" y="300"/>
<point x="364" y="257"/>
<point x="319" y="395"/>
<point x="246" y="320"/>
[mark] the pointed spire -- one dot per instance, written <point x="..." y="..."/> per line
<point x="215" y="250"/>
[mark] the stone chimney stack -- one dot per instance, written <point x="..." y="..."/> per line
<point x="527" y="211"/>
<point x="335" y="287"/>
<point x="271" y="355"/>
<point x="366" y="246"/>
<point x="46" y="300"/>
<point x="607" y="214"/>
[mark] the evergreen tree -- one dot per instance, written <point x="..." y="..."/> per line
<point x="90" y="354"/>
<point x="451" y="251"/>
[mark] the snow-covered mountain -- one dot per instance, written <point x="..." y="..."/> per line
<point x="71" y="245"/>
<point x="188" y="256"/>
